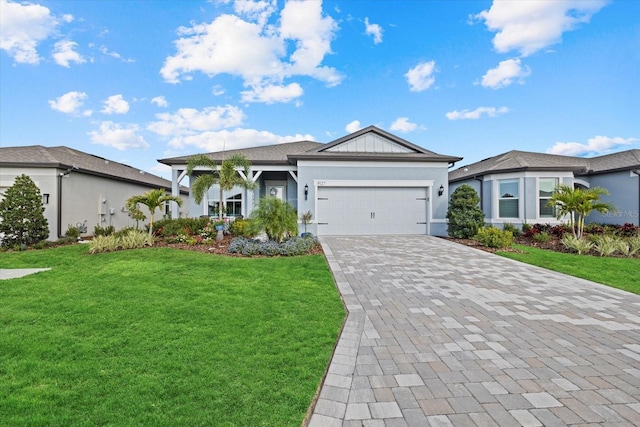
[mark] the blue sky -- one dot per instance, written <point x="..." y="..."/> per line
<point x="135" y="81"/>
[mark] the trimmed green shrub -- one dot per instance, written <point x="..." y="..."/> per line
<point x="275" y="217"/>
<point x="240" y="227"/>
<point x="22" y="220"/>
<point x="133" y="239"/>
<point x="494" y="237"/>
<point x="173" y="227"/>
<point x="515" y="231"/>
<point x="291" y="247"/>
<point x="103" y="231"/>
<point x="72" y="232"/>
<point x="464" y="214"/>
<point x="542" y="237"/>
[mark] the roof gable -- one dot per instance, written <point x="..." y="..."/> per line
<point x="369" y="143"/>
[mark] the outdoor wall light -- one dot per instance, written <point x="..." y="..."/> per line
<point x="441" y="191"/>
<point x="45" y="199"/>
<point x="306" y="191"/>
<point x="273" y="192"/>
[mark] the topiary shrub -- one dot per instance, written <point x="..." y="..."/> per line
<point x="464" y="214"/>
<point x="494" y="237"/>
<point x="276" y="218"/>
<point x="22" y="220"/>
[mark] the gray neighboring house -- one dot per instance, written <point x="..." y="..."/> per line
<point x="366" y="183"/>
<point x="515" y="186"/>
<point x="80" y="189"/>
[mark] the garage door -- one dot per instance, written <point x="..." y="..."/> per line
<point x="371" y="211"/>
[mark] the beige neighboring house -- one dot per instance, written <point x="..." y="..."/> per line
<point x="81" y="189"/>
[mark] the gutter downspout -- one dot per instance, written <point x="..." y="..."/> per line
<point x="637" y="172"/>
<point x="60" y="176"/>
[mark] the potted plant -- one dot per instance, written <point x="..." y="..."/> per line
<point x="219" y="224"/>
<point x="306" y="218"/>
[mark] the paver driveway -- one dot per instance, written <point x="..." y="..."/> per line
<point x="440" y="334"/>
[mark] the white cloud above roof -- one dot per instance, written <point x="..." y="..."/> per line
<point x="64" y="53"/>
<point x="505" y="74"/>
<point x="160" y="101"/>
<point x="23" y="26"/>
<point x="374" y="30"/>
<point x="597" y="145"/>
<point x="249" y="47"/>
<point x="421" y="77"/>
<point x="121" y="137"/>
<point x="402" y="124"/>
<point x="70" y="103"/>
<point x="353" y="126"/>
<point x="115" y="104"/>
<point x="530" y="26"/>
<point x="476" y="114"/>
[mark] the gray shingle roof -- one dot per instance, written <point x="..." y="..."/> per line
<point x="268" y="154"/>
<point x="513" y="161"/>
<point x="64" y="157"/>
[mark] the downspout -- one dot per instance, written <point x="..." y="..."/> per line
<point x="60" y="176"/>
<point x="637" y="172"/>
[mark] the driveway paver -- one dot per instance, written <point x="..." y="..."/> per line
<point x="441" y="334"/>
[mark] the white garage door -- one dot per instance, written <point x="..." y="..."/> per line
<point x="371" y="211"/>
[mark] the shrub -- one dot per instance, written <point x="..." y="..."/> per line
<point x="515" y="231"/>
<point x="464" y="214"/>
<point x="133" y="239"/>
<point x="606" y="245"/>
<point x="275" y="217"/>
<point x="123" y="231"/>
<point x="103" y="231"/>
<point x="628" y="230"/>
<point x="575" y="244"/>
<point x="634" y="245"/>
<point x="291" y="247"/>
<point x="104" y="244"/>
<point x="494" y="237"/>
<point x="240" y="227"/>
<point x="173" y="227"/>
<point x="72" y="232"/>
<point x="594" y="229"/>
<point x="558" y="230"/>
<point x="542" y="237"/>
<point x="526" y="227"/>
<point x="22" y="220"/>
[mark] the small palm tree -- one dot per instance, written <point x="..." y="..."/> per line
<point x="153" y="200"/>
<point x="578" y="203"/>
<point x="225" y="175"/>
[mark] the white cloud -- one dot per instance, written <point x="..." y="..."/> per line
<point x="121" y="137"/>
<point x="273" y="93"/>
<point x="353" y="126"/>
<point x="160" y="101"/>
<point x="115" y="104"/>
<point x="402" y="124"/>
<point x="235" y="139"/>
<point x="22" y="27"/>
<point x="257" y="51"/>
<point x="505" y="73"/>
<point x="70" y="103"/>
<point x="116" y="55"/>
<point x="64" y="53"/>
<point x="477" y="113"/>
<point x="594" y="146"/>
<point x="188" y="124"/>
<point x="529" y="26"/>
<point x="421" y="76"/>
<point x="374" y="30"/>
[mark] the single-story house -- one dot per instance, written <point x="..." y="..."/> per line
<point x="366" y="183"/>
<point x="515" y="187"/>
<point x="80" y="189"/>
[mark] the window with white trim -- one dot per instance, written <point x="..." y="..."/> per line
<point x="509" y="198"/>
<point x="546" y="187"/>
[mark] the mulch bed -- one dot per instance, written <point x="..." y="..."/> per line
<point x="552" y="245"/>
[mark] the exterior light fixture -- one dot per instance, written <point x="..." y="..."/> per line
<point x="306" y="191"/>
<point x="273" y="192"/>
<point x="45" y="199"/>
<point x="441" y="191"/>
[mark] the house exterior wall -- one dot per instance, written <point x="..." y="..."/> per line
<point x="624" y="194"/>
<point x="310" y="171"/>
<point x="82" y="199"/>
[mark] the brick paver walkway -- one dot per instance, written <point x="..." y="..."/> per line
<point x="444" y="335"/>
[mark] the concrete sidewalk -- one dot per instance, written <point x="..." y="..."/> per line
<point x="14" y="273"/>
<point x="444" y="335"/>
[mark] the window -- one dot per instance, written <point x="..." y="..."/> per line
<point x="546" y="186"/>
<point x="509" y="198"/>
<point x="233" y="206"/>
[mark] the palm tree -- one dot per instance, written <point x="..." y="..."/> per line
<point x="153" y="200"/>
<point x="225" y="175"/>
<point x="578" y="203"/>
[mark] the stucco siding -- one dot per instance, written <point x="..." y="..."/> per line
<point x="624" y="193"/>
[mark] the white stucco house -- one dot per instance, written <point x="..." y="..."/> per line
<point x="80" y="189"/>
<point x="515" y="186"/>
<point x="369" y="182"/>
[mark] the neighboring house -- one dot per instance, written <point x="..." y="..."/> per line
<point x="515" y="186"/>
<point x="80" y="189"/>
<point x="367" y="183"/>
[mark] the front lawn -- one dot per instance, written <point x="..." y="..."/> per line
<point x="163" y="337"/>
<point x="621" y="273"/>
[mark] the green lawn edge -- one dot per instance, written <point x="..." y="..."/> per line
<point x="620" y="273"/>
<point x="163" y="336"/>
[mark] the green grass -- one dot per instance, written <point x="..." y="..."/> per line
<point x="163" y="337"/>
<point x="621" y="273"/>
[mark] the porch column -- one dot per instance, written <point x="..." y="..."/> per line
<point x="177" y="175"/>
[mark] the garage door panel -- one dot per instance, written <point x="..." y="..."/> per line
<point x="371" y="211"/>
